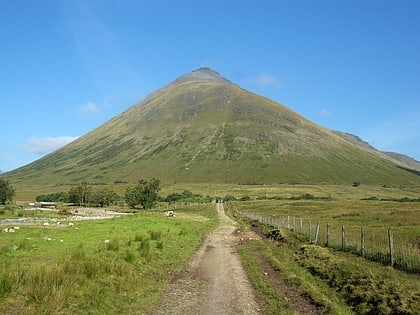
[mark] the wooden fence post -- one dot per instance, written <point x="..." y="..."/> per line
<point x="310" y="231"/>
<point x="328" y="235"/>
<point x="294" y="224"/>
<point x="301" y="225"/>
<point x="391" y="248"/>
<point x="316" y="233"/>
<point x="288" y="220"/>
<point x="343" y="238"/>
<point x="362" y="242"/>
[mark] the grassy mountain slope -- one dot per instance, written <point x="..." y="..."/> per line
<point x="398" y="158"/>
<point x="203" y="128"/>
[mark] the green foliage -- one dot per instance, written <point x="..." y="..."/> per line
<point x="273" y="301"/>
<point x="228" y="198"/>
<point x="54" y="197"/>
<point x="144" y="247"/>
<point x="7" y="192"/>
<point x="187" y="197"/>
<point x="259" y="256"/>
<point x="307" y="196"/>
<point x="416" y="172"/>
<point x="113" y="244"/>
<point x="144" y="194"/>
<point x="103" y="198"/>
<point x="155" y="235"/>
<point x="80" y="194"/>
<point x="367" y="293"/>
<point x="10" y="278"/>
<point x="83" y="274"/>
<point x="257" y="141"/>
<point x="245" y="198"/>
<point x="403" y="199"/>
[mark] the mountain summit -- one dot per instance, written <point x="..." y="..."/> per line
<point x="202" y="74"/>
<point x="202" y="128"/>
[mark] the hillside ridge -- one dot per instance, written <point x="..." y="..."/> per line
<point x="201" y="128"/>
<point x="398" y="158"/>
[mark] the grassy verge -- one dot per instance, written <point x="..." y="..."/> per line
<point x="338" y="282"/>
<point x="367" y="287"/>
<point x="281" y="259"/>
<point x="110" y="266"/>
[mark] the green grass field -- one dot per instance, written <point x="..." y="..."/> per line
<point x="122" y="265"/>
<point x="366" y="286"/>
<point x="110" y="266"/>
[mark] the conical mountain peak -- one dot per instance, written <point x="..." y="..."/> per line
<point x="202" y="74"/>
<point x="201" y="128"/>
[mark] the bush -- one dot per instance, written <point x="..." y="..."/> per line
<point x="144" y="248"/>
<point x="155" y="235"/>
<point x="229" y="198"/>
<point x="113" y="244"/>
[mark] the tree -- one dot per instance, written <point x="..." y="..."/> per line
<point x="7" y="192"/>
<point x="54" y="197"/>
<point x="80" y="194"/>
<point x="103" y="198"/>
<point x="144" y="194"/>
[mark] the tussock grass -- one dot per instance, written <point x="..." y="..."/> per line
<point x="282" y="259"/>
<point x="367" y="289"/>
<point x="76" y="271"/>
<point x="365" y="286"/>
<point x="273" y="302"/>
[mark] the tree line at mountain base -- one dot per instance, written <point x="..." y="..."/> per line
<point x="143" y="195"/>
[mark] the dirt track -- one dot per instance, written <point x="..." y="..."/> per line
<point x="214" y="282"/>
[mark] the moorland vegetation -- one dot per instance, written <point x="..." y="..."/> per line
<point x="79" y="265"/>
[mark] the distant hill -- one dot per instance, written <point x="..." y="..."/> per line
<point x="397" y="158"/>
<point x="202" y="128"/>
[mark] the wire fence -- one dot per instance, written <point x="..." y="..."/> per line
<point x="380" y="246"/>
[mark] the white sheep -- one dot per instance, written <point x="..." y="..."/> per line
<point x="169" y="213"/>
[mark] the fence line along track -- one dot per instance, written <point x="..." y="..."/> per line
<point x="384" y="247"/>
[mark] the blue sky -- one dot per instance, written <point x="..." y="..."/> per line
<point x="68" y="66"/>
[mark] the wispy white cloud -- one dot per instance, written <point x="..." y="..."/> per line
<point x="89" y="108"/>
<point x="45" y="145"/>
<point x="265" y="80"/>
<point x="325" y="112"/>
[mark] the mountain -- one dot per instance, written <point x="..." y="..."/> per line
<point x="202" y="128"/>
<point x="402" y="159"/>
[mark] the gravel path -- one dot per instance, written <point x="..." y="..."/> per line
<point x="214" y="282"/>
